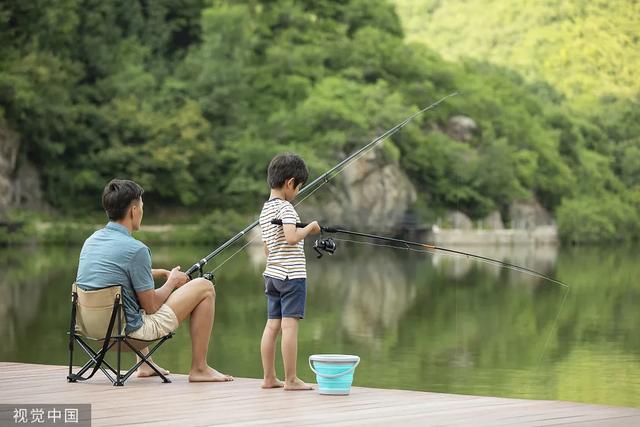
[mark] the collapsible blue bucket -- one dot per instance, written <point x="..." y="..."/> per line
<point x="334" y="372"/>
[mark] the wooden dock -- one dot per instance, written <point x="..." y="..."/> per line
<point x="242" y="402"/>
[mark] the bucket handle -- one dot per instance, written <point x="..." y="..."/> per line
<point x="329" y="376"/>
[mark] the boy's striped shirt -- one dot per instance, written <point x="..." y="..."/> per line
<point x="284" y="260"/>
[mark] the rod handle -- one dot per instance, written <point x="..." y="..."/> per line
<point x="304" y="224"/>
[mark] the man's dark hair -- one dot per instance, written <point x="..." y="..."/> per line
<point x="117" y="197"/>
<point x="286" y="166"/>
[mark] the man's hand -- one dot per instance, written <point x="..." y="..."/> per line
<point x="160" y="273"/>
<point x="152" y="299"/>
<point x="177" y="277"/>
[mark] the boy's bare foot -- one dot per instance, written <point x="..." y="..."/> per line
<point x="272" y="383"/>
<point x="297" y="384"/>
<point x="208" y="375"/>
<point x="145" y="371"/>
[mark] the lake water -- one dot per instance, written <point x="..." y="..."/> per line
<point x="419" y="321"/>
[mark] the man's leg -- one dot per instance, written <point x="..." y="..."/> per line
<point x="197" y="300"/>
<point x="145" y="370"/>
<point x="290" y="355"/>
<point x="268" y="353"/>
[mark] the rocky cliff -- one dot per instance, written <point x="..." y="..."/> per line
<point x="372" y="193"/>
<point x="9" y="145"/>
<point x="19" y="181"/>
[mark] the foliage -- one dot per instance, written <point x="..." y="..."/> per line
<point x="584" y="49"/>
<point x="192" y="99"/>
<point x="593" y="220"/>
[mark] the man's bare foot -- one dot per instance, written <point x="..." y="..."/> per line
<point x="272" y="383"/>
<point x="208" y="375"/>
<point x="145" y="371"/>
<point x="297" y="384"/>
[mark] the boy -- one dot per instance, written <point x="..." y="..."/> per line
<point x="285" y="274"/>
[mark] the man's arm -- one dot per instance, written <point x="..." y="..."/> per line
<point x="266" y="250"/>
<point x="151" y="300"/>
<point x="160" y="273"/>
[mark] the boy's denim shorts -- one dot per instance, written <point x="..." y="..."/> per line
<point x="285" y="298"/>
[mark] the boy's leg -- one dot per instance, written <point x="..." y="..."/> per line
<point x="268" y="353"/>
<point x="270" y="334"/>
<point x="197" y="300"/>
<point x="294" y="295"/>
<point x="290" y="354"/>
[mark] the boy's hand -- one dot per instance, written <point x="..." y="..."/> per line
<point x="314" y="227"/>
<point x="177" y="277"/>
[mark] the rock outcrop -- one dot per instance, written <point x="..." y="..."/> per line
<point x="493" y="221"/>
<point x="19" y="181"/>
<point x="458" y="220"/>
<point x="461" y="128"/>
<point x="372" y="193"/>
<point x="9" y="145"/>
<point x="530" y="223"/>
<point x="529" y="214"/>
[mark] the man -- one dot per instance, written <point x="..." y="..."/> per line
<point x="112" y="256"/>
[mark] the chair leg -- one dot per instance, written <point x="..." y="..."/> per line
<point x="119" y="381"/>
<point x="69" y="377"/>
<point x="144" y="359"/>
<point x="93" y="358"/>
<point x="72" y="338"/>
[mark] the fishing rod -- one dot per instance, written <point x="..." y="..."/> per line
<point x="313" y="186"/>
<point x="329" y="246"/>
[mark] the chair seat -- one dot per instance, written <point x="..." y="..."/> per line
<point x="135" y="342"/>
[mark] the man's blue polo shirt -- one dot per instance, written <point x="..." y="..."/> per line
<point x="110" y="256"/>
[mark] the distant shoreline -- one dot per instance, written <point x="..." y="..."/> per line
<point x="542" y="235"/>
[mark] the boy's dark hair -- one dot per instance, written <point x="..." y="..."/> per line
<point x="286" y="166"/>
<point x="117" y="197"/>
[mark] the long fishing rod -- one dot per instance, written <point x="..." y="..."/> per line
<point x="317" y="183"/>
<point x="329" y="246"/>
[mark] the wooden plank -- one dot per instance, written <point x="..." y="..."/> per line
<point x="148" y="402"/>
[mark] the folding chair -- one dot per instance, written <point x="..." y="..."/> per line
<point x="97" y="316"/>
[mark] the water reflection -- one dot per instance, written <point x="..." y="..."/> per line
<point x="420" y="321"/>
<point x="23" y="276"/>
<point x="375" y="292"/>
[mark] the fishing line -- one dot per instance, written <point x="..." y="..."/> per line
<point x="455" y="283"/>
<point x="234" y="254"/>
<point x="380" y="245"/>
<point x="457" y="254"/>
<point x="553" y="327"/>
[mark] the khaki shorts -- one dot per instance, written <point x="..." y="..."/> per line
<point x="156" y="325"/>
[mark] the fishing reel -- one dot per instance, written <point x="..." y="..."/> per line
<point x="210" y="277"/>
<point x="324" y="244"/>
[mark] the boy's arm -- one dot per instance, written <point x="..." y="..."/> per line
<point x="266" y="249"/>
<point x="294" y="235"/>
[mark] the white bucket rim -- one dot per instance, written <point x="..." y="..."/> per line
<point x="334" y="358"/>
